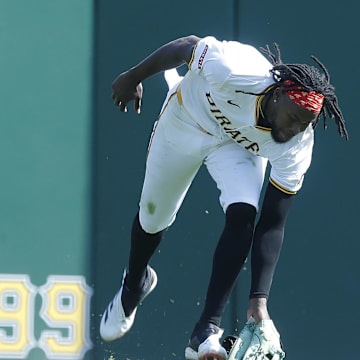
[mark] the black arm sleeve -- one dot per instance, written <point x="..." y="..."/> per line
<point x="268" y="239"/>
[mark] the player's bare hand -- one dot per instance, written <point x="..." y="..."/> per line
<point x="126" y="89"/>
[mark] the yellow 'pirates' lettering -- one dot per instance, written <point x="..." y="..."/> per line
<point x="233" y="132"/>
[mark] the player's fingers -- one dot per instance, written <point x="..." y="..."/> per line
<point x="115" y="97"/>
<point x="116" y="100"/>
<point x="137" y="105"/>
<point x="122" y="107"/>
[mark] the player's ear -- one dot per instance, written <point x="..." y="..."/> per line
<point x="277" y="94"/>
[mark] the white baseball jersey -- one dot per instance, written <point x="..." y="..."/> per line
<point x="205" y="120"/>
<point x="211" y="93"/>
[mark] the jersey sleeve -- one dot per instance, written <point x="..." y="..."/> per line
<point x="209" y="61"/>
<point x="288" y="171"/>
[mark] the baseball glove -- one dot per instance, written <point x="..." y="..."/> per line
<point x="265" y="343"/>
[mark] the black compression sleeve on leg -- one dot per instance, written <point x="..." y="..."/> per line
<point x="268" y="239"/>
<point x="230" y="254"/>
<point x="143" y="246"/>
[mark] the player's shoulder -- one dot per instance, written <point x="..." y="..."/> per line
<point x="235" y="53"/>
<point x="213" y="42"/>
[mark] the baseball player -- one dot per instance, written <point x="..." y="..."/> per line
<point x="235" y="110"/>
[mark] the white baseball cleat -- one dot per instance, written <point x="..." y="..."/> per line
<point x="210" y="348"/>
<point x="114" y="323"/>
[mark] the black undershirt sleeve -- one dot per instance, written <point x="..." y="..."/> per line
<point x="268" y="239"/>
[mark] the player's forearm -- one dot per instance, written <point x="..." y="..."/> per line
<point x="268" y="239"/>
<point x="170" y="55"/>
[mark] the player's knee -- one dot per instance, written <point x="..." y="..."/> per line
<point x="152" y="225"/>
<point x="240" y="214"/>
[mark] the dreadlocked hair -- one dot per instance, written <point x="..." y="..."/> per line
<point x="311" y="79"/>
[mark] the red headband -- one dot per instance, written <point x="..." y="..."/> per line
<point x="310" y="100"/>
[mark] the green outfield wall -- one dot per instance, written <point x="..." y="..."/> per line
<point x="72" y="169"/>
<point x="46" y="64"/>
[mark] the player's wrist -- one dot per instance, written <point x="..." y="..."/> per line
<point x="258" y="309"/>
